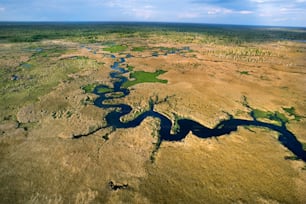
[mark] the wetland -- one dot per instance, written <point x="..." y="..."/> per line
<point x="151" y="113"/>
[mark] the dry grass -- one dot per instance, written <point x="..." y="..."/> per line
<point x="243" y="167"/>
<point x="40" y="163"/>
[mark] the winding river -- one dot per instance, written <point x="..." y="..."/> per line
<point x="225" y="127"/>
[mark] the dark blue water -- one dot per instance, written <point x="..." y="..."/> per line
<point x="225" y="127"/>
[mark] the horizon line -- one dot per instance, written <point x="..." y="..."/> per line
<point x="151" y="22"/>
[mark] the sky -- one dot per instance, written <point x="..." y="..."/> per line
<point x="247" y="12"/>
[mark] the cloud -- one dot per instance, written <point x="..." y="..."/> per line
<point x="145" y="13"/>
<point x="217" y="11"/>
<point x="280" y="12"/>
<point x="133" y="8"/>
<point x="245" y="12"/>
<point x="228" y="4"/>
<point x="199" y="11"/>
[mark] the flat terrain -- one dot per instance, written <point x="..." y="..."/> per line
<point x="202" y="73"/>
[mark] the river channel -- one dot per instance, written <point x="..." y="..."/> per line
<point x="225" y="127"/>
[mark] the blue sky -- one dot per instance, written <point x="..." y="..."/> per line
<point x="247" y="12"/>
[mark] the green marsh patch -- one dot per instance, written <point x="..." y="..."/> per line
<point x="116" y="48"/>
<point x="89" y="88"/>
<point x="244" y="72"/>
<point x="291" y="112"/>
<point x="138" y="49"/>
<point x="130" y="68"/>
<point x="26" y="82"/>
<point x="144" y="77"/>
<point x="104" y="90"/>
<point x="276" y="116"/>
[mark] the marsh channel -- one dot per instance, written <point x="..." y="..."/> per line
<point x="224" y="127"/>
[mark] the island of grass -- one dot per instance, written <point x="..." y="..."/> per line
<point x="104" y="89"/>
<point x="291" y="112"/>
<point x="115" y="48"/>
<point x="130" y="68"/>
<point x="275" y="116"/>
<point x="89" y="88"/>
<point x="144" y="77"/>
<point x="138" y="49"/>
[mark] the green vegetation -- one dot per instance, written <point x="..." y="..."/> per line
<point x="176" y="126"/>
<point x="89" y="88"/>
<point x="130" y="68"/>
<point x="138" y="49"/>
<point x="304" y="145"/>
<point x="276" y="116"/>
<point x="169" y="49"/>
<point x="26" y="65"/>
<point x="24" y="81"/>
<point x="244" y="72"/>
<point x="106" y="136"/>
<point x="98" y="32"/>
<point x="115" y="48"/>
<point x="79" y="57"/>
<point x="104" y="90"/>
<point x="291" y="112"/>
<point x="292" y="158"/>
<point x="144" y="77"/>
<point x="69" y="114"/>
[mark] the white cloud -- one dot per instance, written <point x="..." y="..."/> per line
<point x="245" y="12"/>
<point x="215" y="11"/>
<point x="133" y="8"/>
<point x="146" y="12"/>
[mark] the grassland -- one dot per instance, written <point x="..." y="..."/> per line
<point x="47" y="75"/>
<point x="291" y="112"/>
<point x="89" y="88"/>
<point x="104" y="90"/>
<point x="138" y="49"/>
<point x="115" y="48"/>
<point x="276" y="116"/>
<point x="144" y="77"/>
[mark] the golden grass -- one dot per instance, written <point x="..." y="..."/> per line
<point x="40" y="163"/>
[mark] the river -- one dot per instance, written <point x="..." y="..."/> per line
<point x="225" y="127"/>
